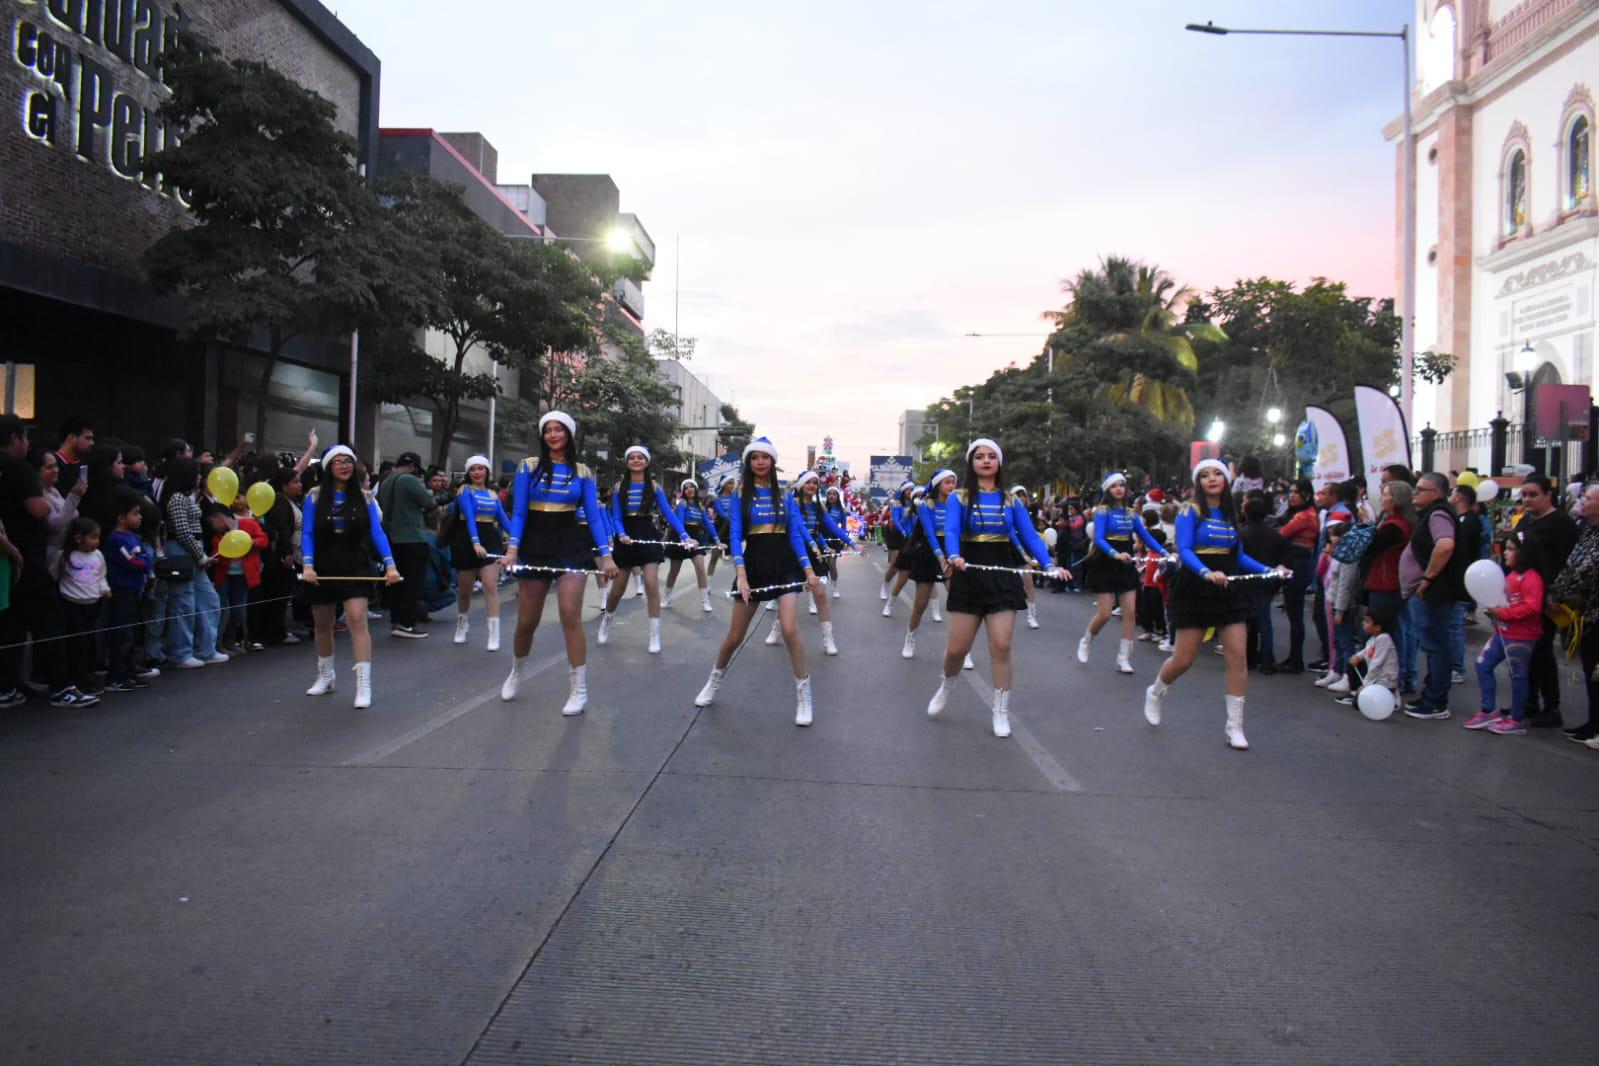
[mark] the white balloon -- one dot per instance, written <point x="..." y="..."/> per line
<point x="1487" y="490"/>
<point x="1485" y="583"/>
<point x="1375" y="702"/>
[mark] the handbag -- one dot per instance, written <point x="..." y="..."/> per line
<point x="174" y="568"/>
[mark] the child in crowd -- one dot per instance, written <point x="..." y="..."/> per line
<point x="127" y="572"/>
<point x="1518" y="625"/>
<point x="440" y="581"/>
<point x="1343" y="586"/>
<point x="1152" y="591"/>
<point x="1379" y="658"/>
<point x="81" y="577"/>
<point x="234" y="578"/>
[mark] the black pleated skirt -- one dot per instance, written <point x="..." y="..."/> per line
<point x="769" y="560"/>
<point x="462" y="557"/>
<point x="1105" y="573"/>
<point x="554" y="539"/>
<point x="1198" y="604"/>
<point x="639" y="527"/>
<point x="345" y="556"/>
<point x="985" y="592"/>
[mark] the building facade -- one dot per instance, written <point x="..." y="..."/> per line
<point x="84" y="333"/>
<point x="912" y="427"/>
<point x="1507" y="230"/>
<point x="698" y="409"/>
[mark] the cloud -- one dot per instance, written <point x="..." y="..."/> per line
<point x="887" y="327"/>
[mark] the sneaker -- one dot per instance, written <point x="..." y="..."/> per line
<point x="1457" y="678"/>
<point x="255" y="645"/>
<point x="1325" y="679"/>
<point x="191" y="663"/>
<point x="1146" y="636"/>
<point x="371" y="613"/>
<point x="1592" y="742"/>
<point x="409" y="632"/>
<point x="119" y="686"/>
<point x="1339" y="687"/>
<point x="1167" y="646"/>
<point x="217" y="659"/>
<point x="13" y="697"/>
<point x="149" y="673"/>
<point x="71" y="698"/>
<point x="1422" y="711"/>
<point x="1507" y="726"/>
<point x="137" y="682"/>
<point x="1482" y="720"/>
<point x="290" y="638"/>
<point x="1347" y="699"/>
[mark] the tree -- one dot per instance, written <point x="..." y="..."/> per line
<point x="513" y="301"/>
<point x="624" y="402"/>
<point x="1287" y="348"/>
<point x="281" y="240"/>
<point x="734" y="433"/>
<point x="1121" y="325"/>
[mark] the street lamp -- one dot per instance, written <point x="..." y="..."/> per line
<point x="1526" y="359"/>
<point x="1278" y="440"/>
<point x="1217" y="430"/>
<point x="1274" y="415"/>
<point x="1407" y="343"/>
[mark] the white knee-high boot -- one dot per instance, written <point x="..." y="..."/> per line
<point x="578" y="694"/>
<point x="1235" y="723"/>
<point x="324" y="677"/>
<point x="1124" y="662"/>
<point x="1153" y="695"/>
<point x="1002" y="712"/>
<point x="363" y="686"/>
<point x="940" y="700"/>
<point x="494" y="634"/>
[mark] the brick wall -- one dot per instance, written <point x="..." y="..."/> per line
<point x="54" y="201"/>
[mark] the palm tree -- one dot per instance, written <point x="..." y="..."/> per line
<point x="1124" y="316"/>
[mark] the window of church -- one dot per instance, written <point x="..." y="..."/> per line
<point x="1516" y="193"/>
<point x="1579" y="162"/>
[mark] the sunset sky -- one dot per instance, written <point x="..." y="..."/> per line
<point x="857" y="185"/>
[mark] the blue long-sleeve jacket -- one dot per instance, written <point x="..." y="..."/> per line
<point x="934" y="518"/>
<point x="992" y="514"/>
<point x="819" y="522"/>
<point x="628" y="499"/>
<point x="770" y="510"/>
<point x="692" y="514"/>
<point x="901" y="518"/>
<point x="566" y="489"/>
<point x="374" y="523"/>
<point x="480" y="505"/>
<point x="1122" y="524"/>
<point x="1212" y="536"/>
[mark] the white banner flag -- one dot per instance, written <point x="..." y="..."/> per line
<point x="1332" y="449"/>
<point x="1384" y="438"/>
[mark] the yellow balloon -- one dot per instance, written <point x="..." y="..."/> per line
<point x="236" y="544"/>
<point x="260" y="497"/>
<point x="224" y="485"/>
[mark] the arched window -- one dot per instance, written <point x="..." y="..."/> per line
<point x="1516" y="193"/>
<point x="1579" y="162"/>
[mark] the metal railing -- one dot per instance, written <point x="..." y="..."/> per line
<point x="1472" y="448"/>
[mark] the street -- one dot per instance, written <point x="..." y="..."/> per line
<point x="220" y="869"/>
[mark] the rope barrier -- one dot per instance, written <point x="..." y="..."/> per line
<point x="133" y="625"/>
<point x="733" y="595"/>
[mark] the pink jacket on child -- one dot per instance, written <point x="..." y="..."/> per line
<point x="1522" y="617"/>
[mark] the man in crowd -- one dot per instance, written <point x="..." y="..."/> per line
<point x="1431" y="582"/>
<point x="1555" y="532"/>
<point x="404" y="500"/>
<point x="77" y="438"/>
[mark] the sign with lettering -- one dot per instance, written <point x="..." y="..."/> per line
<point x="97" y="79"/>
<point x="1542" y="313"/>
<point x="888" y="473"/>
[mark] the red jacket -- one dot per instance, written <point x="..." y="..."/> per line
<point x="1521" y="618"/>
<point x="251" y="561"/>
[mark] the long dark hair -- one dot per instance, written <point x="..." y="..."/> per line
<point x="746" y="483"/>
<point x="1226" y="507"/>
<point x="545" y="467"/>
<point x="354" y="507"/>
<point x="647" y="503"/>
<point x="183" y="475"/>
<point x="970" y="487"/>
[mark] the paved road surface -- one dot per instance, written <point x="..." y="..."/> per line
<point x="221" y="870"/>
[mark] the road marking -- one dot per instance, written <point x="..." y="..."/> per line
<point x="1047" y="764"/>
<point x="439" y="721"/>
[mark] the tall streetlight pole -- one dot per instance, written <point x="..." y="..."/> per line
<point x="1407" y="341"/>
